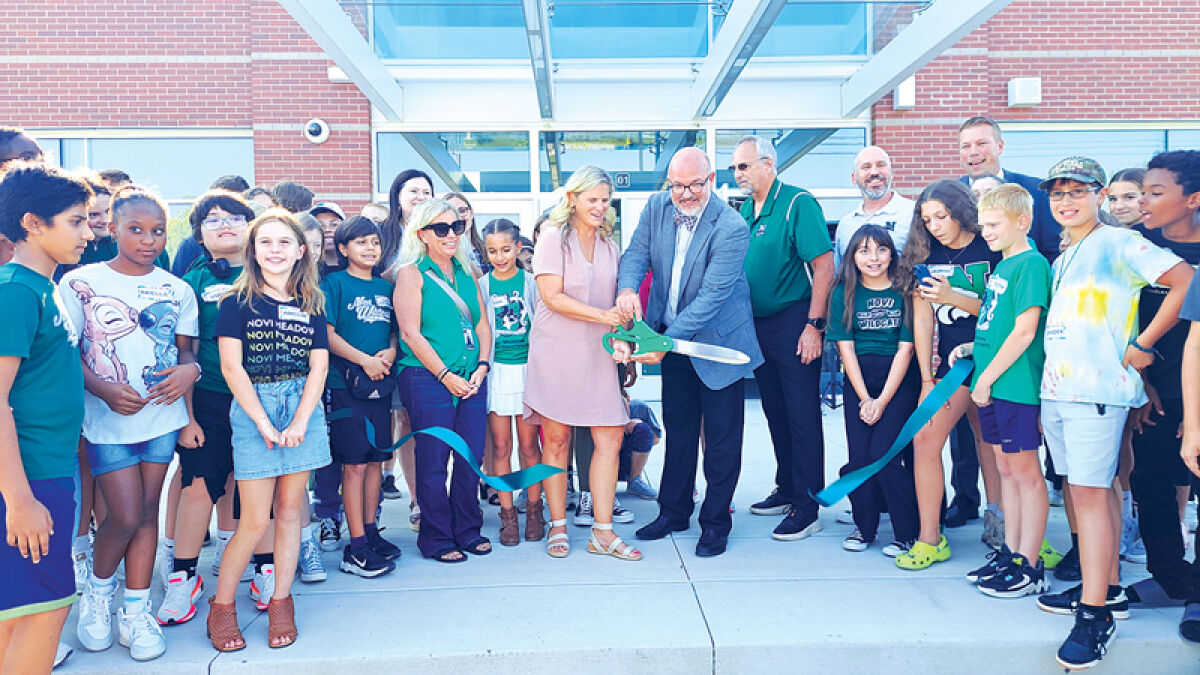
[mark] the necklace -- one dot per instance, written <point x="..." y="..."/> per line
<point x="1062" y="272"/>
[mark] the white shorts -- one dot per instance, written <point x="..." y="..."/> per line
<point x="506" y="389"/>
<point x="1084" y="440"/>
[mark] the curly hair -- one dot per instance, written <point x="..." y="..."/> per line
<point x="959" y="201"/>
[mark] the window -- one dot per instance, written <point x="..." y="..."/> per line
<point x="637" y="160"/>
<point x="462" y="29"/>
<point x="1034" y="152"/>
<point x="459" y="161"/>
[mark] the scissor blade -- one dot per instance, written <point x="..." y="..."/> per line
<point x="710" y="352"/>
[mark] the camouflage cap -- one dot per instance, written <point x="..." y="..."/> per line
<point x="1082" y="169"/>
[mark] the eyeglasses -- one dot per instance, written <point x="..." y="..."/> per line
<point x="233" y="221"/>
<point x="694" y="188"/>
<point x="1077" y="193"/>
<point x="463" y="210"/>
<point x="443" y="229"/>
<point x="744" y="165"/>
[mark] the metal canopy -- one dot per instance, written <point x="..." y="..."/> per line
<point x="538" y="34"/>
<point x="744" y="29"/>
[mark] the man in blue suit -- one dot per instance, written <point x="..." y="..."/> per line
<point x="979" y="148"/>
<point x="694" y="245"/>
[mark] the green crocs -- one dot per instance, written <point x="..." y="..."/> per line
<point x="1049" y="556"/>
<point x="922" y="555"/>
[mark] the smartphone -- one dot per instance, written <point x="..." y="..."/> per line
<point x="922" y="272"/>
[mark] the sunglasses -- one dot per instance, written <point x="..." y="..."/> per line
<point x="743" y="166"/>
<point x="443" y="229"/>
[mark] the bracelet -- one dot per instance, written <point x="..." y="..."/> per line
<point x="199" y="370"/>
<point x="1145" y="350"/>
<point x="445" y="371"/>
<point x="484" y="364"/>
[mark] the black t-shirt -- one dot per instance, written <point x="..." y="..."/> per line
<point x="276" y="336"/>
<point x="1164" y="373"/>
<point x="967" y="269"/>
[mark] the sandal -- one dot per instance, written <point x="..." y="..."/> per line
<point x="446" y="556"/>
<point x="281" y="622"/>
<point x="223" y="626"/>
<point x="617" y="548"/>
<point x="510" y="529"/>
<point x="535" y="524"/>
<point x="922" y="555"/>
<point x="477" y="546"/>
<point x="558" y="545"/>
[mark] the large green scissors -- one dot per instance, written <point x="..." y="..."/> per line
<point x="644" y="340"/>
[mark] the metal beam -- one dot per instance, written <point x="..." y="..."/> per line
<point x="932" y="31"/>
<point x="537" y="33"/>
<point x="431" y="149"/>
<point x="743" y="30"/>
<point x="797" y="144"/>
<point x="334" y="32"/>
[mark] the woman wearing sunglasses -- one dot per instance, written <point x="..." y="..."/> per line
<point x="446" y="344"/>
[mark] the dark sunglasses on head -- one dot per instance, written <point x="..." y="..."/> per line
<point x="443" y="229"/>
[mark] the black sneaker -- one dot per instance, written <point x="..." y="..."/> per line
<point x="389" y="489"/>
<point x="996" y="559"/>
<point x="774" y="505"/>
<point x="1068" y="568"/>
<point x="1015" y="580"/>
<point x="797" y="525"/>
<point x="1088" y="642"/>
<point x="1067" y="601"/>
<point x="382" y="546"/>
<point x="365" y="562"/>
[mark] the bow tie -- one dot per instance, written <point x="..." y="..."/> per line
<point x="687" y="221"/>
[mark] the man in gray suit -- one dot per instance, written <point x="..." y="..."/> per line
<point x="695" y="246"/>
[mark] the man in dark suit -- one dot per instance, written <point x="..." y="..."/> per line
<point x="979" y="148"/>
<point x="694" y="245"/>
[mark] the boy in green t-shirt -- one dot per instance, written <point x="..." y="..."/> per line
<point x="1009" y="355"/>
<point x="44" y="212"/>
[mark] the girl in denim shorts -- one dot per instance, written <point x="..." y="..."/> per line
<point x="274" y="348"/>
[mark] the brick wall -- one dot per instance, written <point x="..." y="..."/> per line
<point x="1128" y="61"/>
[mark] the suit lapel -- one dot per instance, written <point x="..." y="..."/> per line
<point x="704" y="229"/>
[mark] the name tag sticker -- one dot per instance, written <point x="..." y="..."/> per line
<point x="155" y="293"/>
<point x="1056" y="331"/>
<point x="213" y="293"/>
<point x="289" y="313"/>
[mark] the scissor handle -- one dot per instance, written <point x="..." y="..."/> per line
<point x="642" y="336"/>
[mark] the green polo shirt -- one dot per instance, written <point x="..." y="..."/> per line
<point x="442" y="324"/>
<point x="787" y="234"/>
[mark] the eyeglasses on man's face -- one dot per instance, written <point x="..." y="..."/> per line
<point x="694" y="188"/>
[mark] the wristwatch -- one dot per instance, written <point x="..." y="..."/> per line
<point x="819" y="323"/>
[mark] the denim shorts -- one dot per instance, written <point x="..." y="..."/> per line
<point x="106" y="458"/>
<point x="251" y="457"/>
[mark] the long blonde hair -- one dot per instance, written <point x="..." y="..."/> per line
<point x="301" y="283"/>
<point x="413" y="249"/>
<point x="585" y="178"/>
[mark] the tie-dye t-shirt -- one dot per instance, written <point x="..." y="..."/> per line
<point x="1094" y="314"/>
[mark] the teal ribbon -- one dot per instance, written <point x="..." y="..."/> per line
<point x="509" y="482"/>
<point x="920" y="417"/>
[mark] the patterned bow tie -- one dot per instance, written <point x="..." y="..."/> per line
<point x="687" y="221"/>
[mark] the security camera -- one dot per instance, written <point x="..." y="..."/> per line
<point x="316" y="131"/>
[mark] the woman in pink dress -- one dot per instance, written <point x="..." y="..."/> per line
<point x="570" y="379"/>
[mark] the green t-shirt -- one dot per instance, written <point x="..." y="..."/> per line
<point x="786" y="235"/>
<point x="47" y="393"/>
<point x="877" y="324"/>
<point x="360" y="312"/>
<point x="209" y="289"/>
<point x="1018" y="283"/>
<point x="511" y="317"/>
<point x="442" y="325"/>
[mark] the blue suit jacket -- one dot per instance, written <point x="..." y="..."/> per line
<point x="714" y="299"/>
<point x="1045" y="230"/>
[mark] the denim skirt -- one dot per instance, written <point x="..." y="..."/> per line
<point x="251" y="457"/>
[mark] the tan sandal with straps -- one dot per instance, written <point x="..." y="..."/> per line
<point x="558" y="545"/>
<point x="223" y="627"/>
<point x="617" y="548"/>
<point x="281" y="618"/>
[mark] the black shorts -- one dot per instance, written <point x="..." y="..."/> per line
<point x="212" y="461"/>
<point x="348" y="442"/>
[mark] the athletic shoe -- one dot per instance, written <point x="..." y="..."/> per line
<point x="520" y="501"/>
<point x="796" y="525"/>
<point x="262" y="587"/>
<point x="958" y="515"/>
<point x="64" y="652"/>
<point x="386" y="549"/>
<point x="997" y="559"/>
<point x="639" y="487"/>
<point x="1136" y="553"/>
<point x="621" y="514"/>
<point x="388" y="489"/>
<point x="897" y="548"/>
<point x="166" y="563"/>
<point x="247" y="574"/>
<point x="583" y="512"/>
<point x="775" y="504"/>
<point x="993" y="530"/>
<point x="1049" y="556"/>
<point x="82" y="563"/>
<point x="309" y="562"/>
<point x="365" y="562"/>
<point x="331" y="534"/>
<point x="1189" y="625"/>
<point x="1088" y="641"/>
<point x="94" y="630"/>
<point x="922" y="555"/>
<point x="1067" y="601"/>
<point x="1015" y="580"/>
<point x="179" y="602"/>
<point x="414" y="516"/>
<point x="1068" y="568"/>
<point x="1055" y="495"/>
<point x="856" y="542"/>
<point x="141" y="634"/>
<point x="845" y="517"/>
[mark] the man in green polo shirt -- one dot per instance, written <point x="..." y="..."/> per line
<point x="790" y="269"/>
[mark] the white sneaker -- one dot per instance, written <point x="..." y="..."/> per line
<point x="64" y="652"/>
<point x="330" y="534"/>
<point x="166" y="563"/>
<point x="179" y="602"/>
<point x="311" y="568"/>
<point x="94" y="629"/>
<point x="897" y="548"/>
<point x="583" y="512"/>
<point x="141" y="634"/>
<point x="247" y="574"/>
<point x="262" y="587"/>
<point x="621" y="514"/>
<point x="82" y="562"/>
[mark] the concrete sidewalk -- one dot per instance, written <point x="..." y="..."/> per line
<point x="763" y="607"/>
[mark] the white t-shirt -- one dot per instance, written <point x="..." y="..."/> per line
<point x="1094" y="314"/>
<point x="128" y="327"/>
<point x="895" y="217"/>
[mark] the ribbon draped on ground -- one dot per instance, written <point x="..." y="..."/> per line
<point x="509" y="482"/>
<point x="920" y="417"/>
